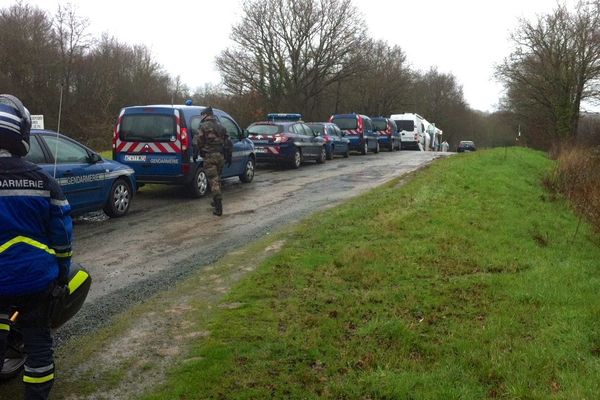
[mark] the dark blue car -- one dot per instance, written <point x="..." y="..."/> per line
<point x="359" y="130"/>
<point x="288" y="143"/>
<point x="335" y="142"/>
<point x="88" y="181"/>
<point x="156" y="141"/>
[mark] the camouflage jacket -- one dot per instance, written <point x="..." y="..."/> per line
<point x="211" y="137"/>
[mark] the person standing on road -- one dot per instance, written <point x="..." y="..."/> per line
<point x="445" y="146"/>
<point x="35" y="248"/>
<point x="215" y="148"/>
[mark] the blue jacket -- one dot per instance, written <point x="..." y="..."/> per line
<point x="35" y="228"/>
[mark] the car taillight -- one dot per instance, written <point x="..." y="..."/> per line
<point x="280" y="139"/>
<point x="185" y="139"/>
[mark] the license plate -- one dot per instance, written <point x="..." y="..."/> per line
<point x="129" y="157"/>
<point x="260" y="150"/>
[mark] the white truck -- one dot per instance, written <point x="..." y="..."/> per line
<point x="411" y="129"/>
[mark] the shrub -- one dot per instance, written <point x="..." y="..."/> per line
<point x="577" y="177"/>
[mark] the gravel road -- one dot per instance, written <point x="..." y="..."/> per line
<point x="167" y="235"/>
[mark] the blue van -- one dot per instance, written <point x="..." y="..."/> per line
<point x="156" y="142"/>
<point x="359" y="130"/>
<point x="388" y="134"/>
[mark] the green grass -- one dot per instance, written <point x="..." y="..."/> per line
<point x="465" y="283"/>
<point x="106" y="154"/>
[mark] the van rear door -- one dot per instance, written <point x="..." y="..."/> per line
<point x="148" y="140"/>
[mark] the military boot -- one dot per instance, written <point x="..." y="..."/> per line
<point x="218" y="207"/>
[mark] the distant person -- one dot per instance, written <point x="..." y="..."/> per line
<point x="215" y="148"/>
<point x="35" y="248"/>
<point x="445" y="146"/>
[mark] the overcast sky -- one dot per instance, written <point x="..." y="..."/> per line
<point x="463" y="37"/>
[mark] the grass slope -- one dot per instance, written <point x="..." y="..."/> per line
<point x="464" y="283"/>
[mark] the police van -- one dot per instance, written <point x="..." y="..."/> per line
<point x="411" y="128"/>
<point x="359" y="130"/>
<point x="156" y="141"/>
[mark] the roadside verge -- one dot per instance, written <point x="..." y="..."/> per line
<point x="462" y="283"/>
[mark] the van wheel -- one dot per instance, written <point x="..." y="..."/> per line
<point x="248" y="174"/>
<point x="323" y="156"/>
<point x="119" y="199"/>
<point x="377" y="147"/>
<point x="365" y="148"/>
<point x="297" y="160"/>
<point x="199" y="184"/>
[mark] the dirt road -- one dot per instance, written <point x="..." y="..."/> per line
<point x="168" y="235"/>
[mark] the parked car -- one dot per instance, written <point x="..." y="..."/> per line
<point x="156" y="141"/>
<point x="387" y="133"/>
<point x="88" y="181"/>
<point x="466" y="145"/>
<point x="335" y="142"/>
<point x="359" y="130"/>
<point x="411" y="128"/>
<point x="286" y="142"/>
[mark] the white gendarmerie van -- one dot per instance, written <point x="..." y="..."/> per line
<point x="411" y="129"/>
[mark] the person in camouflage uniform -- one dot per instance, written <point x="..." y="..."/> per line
<point x="215" y="147"/>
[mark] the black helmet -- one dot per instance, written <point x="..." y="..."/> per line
<point x="208" y="111"/>
<point x="15" y="124"/>
<point x="67" y="306"/>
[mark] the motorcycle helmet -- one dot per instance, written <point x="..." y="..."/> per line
<point x="15" y="124"/>
<point x="69" y="304"/>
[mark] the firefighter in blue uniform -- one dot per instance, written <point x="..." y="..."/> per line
<point x="35" y="247"/>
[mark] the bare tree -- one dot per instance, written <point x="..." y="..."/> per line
<point x="73" y="41"/>
<point x="555" y="66"/>
<point x="290" y="51"/>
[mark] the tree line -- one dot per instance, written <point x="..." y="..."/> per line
<point x="553" y="68"/>
<point x="309" y="56"/>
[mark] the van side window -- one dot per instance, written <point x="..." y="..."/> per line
<point x="368" y="125"/>
<point x="231" y="128"/>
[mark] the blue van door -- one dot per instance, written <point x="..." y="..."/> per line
<point x="238" y="157"/>
<point x="148" y="140"/>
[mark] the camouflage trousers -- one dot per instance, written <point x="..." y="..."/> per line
<point x="213" y="167"/>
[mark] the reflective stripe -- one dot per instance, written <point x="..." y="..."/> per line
<point x="43" y="379"/>
<point x="77" y="280"/>
<point x="39" y="370"/>
<point x="59" y="203"/>
<point x="26" y="240"/>
<point x="4" y="327"/>
<point x="24" y="192"/>
<point x="64" y="255"/>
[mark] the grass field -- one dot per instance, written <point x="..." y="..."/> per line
<point x="467" y="282"/>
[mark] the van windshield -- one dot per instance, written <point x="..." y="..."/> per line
<point x="148" y="128"/>
<point x="264" y="129"/>
<point x="345" y="123"/>
<point x="380" y="124"/>
<point x="406" y="125"/>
